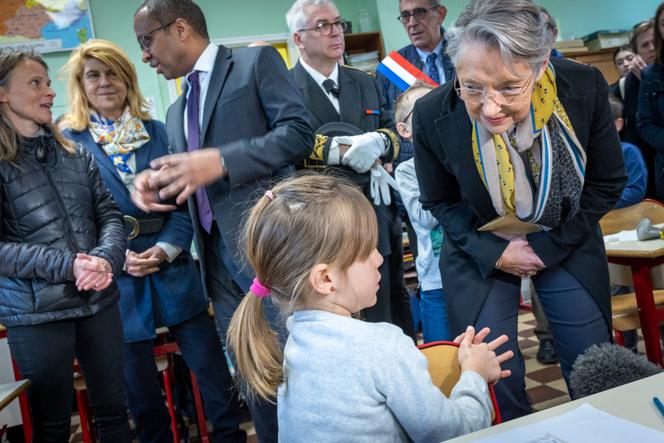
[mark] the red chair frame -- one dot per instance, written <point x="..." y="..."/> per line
<point x="492" y="393"/>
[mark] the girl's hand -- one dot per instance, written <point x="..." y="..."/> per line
<point x="482" y="358"/>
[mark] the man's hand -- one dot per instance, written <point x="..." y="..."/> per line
<point x="364" y="151"/>
<point x="92" y="272"/>
<point x="145" y="263"/>
<point x="181" y="174"/>
<point x="145" y="197"/>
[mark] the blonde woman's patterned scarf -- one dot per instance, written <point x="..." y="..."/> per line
<point x="119" y="138"/>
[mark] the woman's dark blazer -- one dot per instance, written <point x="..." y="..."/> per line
<point x="452" y="190"/>
<point x="175" y="293"/>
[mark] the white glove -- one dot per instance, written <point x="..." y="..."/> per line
<point x="381" y="181"/>
<point x="363" y="152"/>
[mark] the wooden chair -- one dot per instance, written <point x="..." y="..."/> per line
<point x="164" y="360"/>
<point x="625" y="314"/>
<point x="164" y="367"/>
<point x="445" y="371"/>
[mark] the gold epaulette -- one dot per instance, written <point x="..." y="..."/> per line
<point x="394" y="139"/>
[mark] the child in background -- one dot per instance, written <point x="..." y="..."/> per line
<point x="312" y="243"/>
<point x="429" y="233"/>
<point x="635" y="166"/>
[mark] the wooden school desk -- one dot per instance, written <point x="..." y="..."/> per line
<point x="632" y="402"/>
<point x="641" y="257"/>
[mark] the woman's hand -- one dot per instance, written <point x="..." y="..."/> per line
<point x="520" y="259"/>
<point x="145" y="263"/>
<point x="481" y="357"/>
<point x="92" y="272"/>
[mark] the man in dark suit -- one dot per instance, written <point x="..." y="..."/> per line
<point x="334" y="93"/>
<point x="238" y="126"/>
<point x="422" y="20"/>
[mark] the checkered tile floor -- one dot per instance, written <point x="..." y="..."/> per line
<point x="544" y="383"/>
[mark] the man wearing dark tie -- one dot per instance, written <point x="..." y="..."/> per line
<point x="423" y="21"/>
<point x="335" y="93"/>
<point x="238" y="126"/>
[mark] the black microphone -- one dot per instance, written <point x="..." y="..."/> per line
<point x="607" y="366"/>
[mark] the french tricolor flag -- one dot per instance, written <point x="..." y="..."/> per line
<point x="401" y="72"/>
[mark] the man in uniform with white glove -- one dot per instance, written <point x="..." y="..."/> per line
<point x="338" y="94"/>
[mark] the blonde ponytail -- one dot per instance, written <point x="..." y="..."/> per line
<point x="256" y="349"/>
<point x="304" y="220"/>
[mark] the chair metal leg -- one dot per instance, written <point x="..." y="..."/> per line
<point x="168" y="379"/>
<point x="200" y="412"/>
<point x="87" y="426"/>
<point x="24" y="406"/>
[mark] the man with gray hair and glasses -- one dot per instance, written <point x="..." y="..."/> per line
<point x="342" y="95"/>
<point x="423" y="22"/>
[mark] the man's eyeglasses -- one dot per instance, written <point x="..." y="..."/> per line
<point x="325" y="28"/>
<point x="417" y="14"/>
<point x="503" y="96"/>
<point x="145" y="40"/>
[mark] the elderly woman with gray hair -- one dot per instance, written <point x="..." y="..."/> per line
<point x="529" y="141"/>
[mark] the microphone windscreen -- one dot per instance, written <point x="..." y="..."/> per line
<point x="607" y="366"/>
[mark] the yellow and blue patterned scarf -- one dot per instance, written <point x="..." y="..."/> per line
<point x="535" y="172"/>
<point x="119" y="138"/>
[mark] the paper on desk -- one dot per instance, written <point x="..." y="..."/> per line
<point x="584" y="424"/>
<point x="622" y="236"/>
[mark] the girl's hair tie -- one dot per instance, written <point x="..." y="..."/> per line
<point x="269" y="194"/>
<point x="259" y="289"/>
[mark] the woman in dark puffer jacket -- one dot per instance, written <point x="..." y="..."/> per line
<point x="61" y="240"/>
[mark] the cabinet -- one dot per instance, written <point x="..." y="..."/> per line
<point x="364" y="50"/>
<point x="602" y="59"/>
<point x="360" y="42"/>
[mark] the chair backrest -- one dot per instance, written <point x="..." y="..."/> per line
<point x="445" y="371"/>
<point x="625" y="219"/>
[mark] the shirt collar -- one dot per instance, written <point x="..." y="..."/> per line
<point x="205" y="62"/>
<point x="424" y="54"/>
<point x="317" y="76"/>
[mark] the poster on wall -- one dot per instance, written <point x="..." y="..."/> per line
<point x="44" y="25"/>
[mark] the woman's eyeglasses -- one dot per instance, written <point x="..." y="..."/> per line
<point x="503" y="96"/>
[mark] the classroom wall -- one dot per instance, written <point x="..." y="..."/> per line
<point x="576" y="18"/>
<point x="112" y="20"/>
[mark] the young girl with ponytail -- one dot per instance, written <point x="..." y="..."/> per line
<point x="312" y="243"/>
